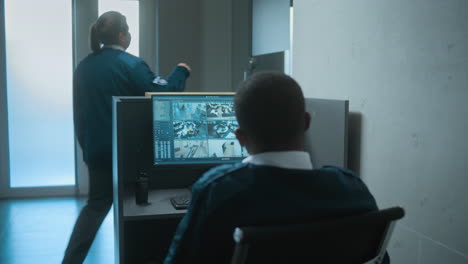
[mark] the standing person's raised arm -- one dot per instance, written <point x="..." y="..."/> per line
<point x="176" y="80"/>
<point x="146" y="81"/>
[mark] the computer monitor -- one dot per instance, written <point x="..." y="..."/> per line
<point x="195" y="128"/>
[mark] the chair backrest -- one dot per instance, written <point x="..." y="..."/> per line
<point x="350" y="240"/>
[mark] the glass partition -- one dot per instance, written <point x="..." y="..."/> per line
<point x="39" y="92"/>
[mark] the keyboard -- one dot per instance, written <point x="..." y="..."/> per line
<point x="181" y="202"/>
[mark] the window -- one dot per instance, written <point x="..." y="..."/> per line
<point x="39" y="92"/>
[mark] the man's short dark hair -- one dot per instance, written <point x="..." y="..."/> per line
<point x="270" y="109"/>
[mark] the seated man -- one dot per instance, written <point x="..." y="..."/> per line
<point x="276" y="184"/>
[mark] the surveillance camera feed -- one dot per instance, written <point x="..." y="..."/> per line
<point x="195" y="128"/>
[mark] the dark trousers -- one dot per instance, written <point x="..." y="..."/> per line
<point x="92" y="215"/>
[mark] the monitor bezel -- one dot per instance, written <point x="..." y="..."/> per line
<point x="151" y="95"/>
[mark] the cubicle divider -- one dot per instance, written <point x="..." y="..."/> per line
<point x="133" y="154"/>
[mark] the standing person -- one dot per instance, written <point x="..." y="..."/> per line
<point x="108" y="71"/>
<point x="276" y="184"/>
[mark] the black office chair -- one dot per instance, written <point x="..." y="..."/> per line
<point x="351" y="240"/>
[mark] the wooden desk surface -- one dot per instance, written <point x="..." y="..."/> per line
<point x="160" y="205"/>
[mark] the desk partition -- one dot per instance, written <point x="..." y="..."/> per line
<point x="132" y="154"/>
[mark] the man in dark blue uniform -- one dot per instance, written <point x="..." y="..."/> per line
<point x="276" y="184"/>
<point x="108" y="71"/>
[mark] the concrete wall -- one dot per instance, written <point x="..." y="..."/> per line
<point x="86" y="13"/>
<point x="178" y="26"/>
<point x="216" y="45"/>
<point x="4" y="157"/>
<point x="403" y="65"/>
<point x="211" y="35"/>
<point x="148" y="44"/>
<point x="241" y="40"/>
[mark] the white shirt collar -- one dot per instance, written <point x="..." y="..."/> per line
<point x="117" y="47"/>
<point x="283" y="159"/>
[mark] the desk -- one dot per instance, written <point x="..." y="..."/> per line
<point x="160" y="205"/>
<point x="144" y="232"/>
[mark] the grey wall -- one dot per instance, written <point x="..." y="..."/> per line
<point x="4" y="157"/>
<point x="241" y="40"/>
<point x="404" y="66"/>
<point x="147" y="25"/>
<point x="216" y="45"/>
<point x="212" y="36"/>
<point x="86" y="13"/>
<point x="178" y="29"/>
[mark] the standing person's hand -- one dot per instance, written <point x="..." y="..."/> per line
<point x="185" y="65"/>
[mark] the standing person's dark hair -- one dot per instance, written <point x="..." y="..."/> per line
<point x="108" y="30"/>
<point x="271" y="113"/>
<point x="107" y="71"/>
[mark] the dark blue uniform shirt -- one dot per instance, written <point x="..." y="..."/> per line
<point x="101" y="75"/>
<point x="244" y="194"/>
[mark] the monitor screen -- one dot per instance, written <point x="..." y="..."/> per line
<point x="195" y="128"/>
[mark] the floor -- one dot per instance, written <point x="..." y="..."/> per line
<point x="37" y="231"/>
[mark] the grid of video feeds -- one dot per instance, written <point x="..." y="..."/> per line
<point x="222" y="128"/>
<point x="190" y="149"/>
<point x="225" y="148"/>
<point x="189" y="111"/>
<point x="189" y="129"/>
<point x="220" y="110"/>
<point x="205" y="130"/>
